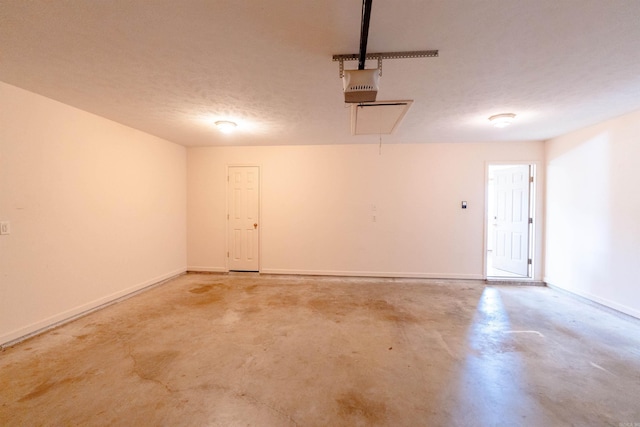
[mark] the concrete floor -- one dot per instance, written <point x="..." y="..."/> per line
<point x="275" y="351"/>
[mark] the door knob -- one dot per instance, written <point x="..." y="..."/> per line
<point x="255" y="225"/>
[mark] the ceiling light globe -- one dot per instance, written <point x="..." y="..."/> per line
<point x="226" y="126"/>
<point x="502" y="120"/>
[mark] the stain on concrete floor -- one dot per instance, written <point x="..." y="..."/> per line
<point x="287" y="350"/>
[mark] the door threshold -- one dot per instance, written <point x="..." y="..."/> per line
<point x="525" y="281"/>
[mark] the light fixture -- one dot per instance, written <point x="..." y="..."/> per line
<point x="226" y="126"/>
<point x="502" y="120"/>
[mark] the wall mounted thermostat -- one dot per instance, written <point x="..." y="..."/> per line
<point x="464" y="205"/>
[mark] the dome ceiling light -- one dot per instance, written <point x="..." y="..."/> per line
<point x="502" y="120"/>
<point x="226" y="126"/>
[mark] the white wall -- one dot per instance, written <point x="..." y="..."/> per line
<point x="97" y="210"/>
<point x="593" y="213"/>
<point x="317" y="207"/>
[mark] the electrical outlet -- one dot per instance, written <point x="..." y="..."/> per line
<point x="5" y="228"/>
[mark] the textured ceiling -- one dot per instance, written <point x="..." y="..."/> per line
<point x="171" y="68"/>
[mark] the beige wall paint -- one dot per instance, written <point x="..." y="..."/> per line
<point x="317" y="207"/>
<point x="593" y="213"/>
<point x="97" y="210"/>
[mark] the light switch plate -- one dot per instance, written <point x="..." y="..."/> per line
<point x="5" y="228"/>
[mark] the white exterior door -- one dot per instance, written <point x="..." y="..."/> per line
<point x="243" y="225"/>
<point x="512" y="220"/>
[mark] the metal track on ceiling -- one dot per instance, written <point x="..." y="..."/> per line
<point x="388" y="55"/>
<point x="379" y="56"/>
<point x="362" y="56"/>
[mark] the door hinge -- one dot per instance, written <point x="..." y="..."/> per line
<point x="228" y="256"/>
<point x="530" y="179"/>
<point x="529" y="261"/>
<point x="530" y="220"/>
<point x="227" y="216"/>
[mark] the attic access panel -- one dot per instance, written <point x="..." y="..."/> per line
<point x="377" y="118"/>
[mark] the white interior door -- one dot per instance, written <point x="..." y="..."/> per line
<point x="243" y="225"/>
<point x="511" y="250"/>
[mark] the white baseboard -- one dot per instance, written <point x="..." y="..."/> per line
<point x="196" y="268"/>
<point x="374" y="274"/>
<point x="40" y="326"/>
<point x="594" y="298"/>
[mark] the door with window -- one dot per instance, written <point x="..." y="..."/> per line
<point x="243" y="228"/>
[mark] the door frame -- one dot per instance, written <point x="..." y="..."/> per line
<point x="226" y="183"/>
<point x="533" y="213"/>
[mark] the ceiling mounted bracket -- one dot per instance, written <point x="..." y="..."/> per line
<point x="379" y="56"/>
